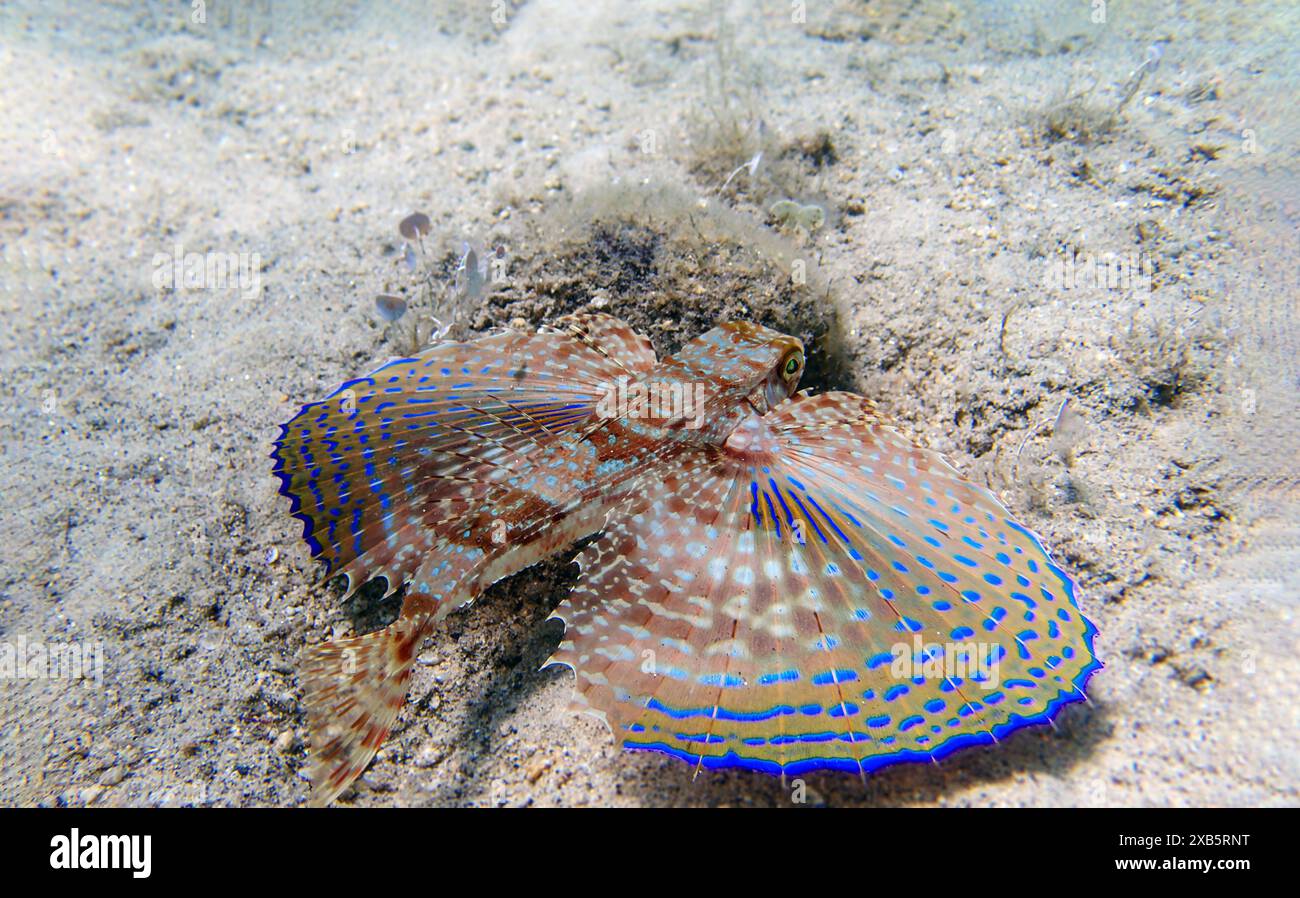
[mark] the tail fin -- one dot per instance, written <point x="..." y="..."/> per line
<point x="355" y="688"/>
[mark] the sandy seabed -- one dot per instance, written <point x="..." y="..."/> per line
<point x="972" y="164"/>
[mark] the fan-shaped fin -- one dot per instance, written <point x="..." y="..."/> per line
<point x="841" y="599"/>
<point x="435" y="437"/>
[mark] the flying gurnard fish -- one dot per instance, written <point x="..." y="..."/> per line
<point x="781" y="581"/>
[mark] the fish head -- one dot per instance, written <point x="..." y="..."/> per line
<point x="775" y="364"/>
<point x="736" y="369"/>
<point x="740" y="358"/>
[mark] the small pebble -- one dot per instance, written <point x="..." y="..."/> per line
<point x="428" y="756"/>
<point x="537" y="769"/>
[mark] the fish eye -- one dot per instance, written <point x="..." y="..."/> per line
<point x="792" y="365"/>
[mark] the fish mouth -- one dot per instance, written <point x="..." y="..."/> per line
<point x="760" y="399"/>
